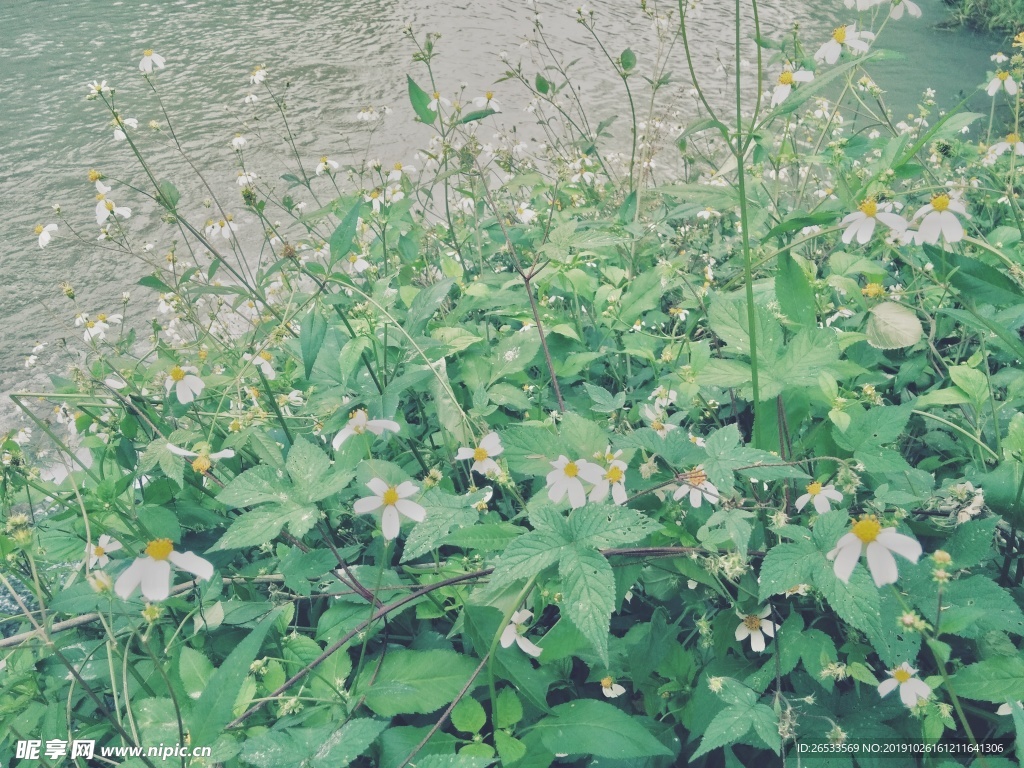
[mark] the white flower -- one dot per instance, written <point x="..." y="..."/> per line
<point x="999" y="57"/>
<point x="939" y="221"/>
<point x="359" y="422"/>
<point x="264" y="361"/>
<point x="847" y="35"/>
<point x="612" y="477"/>
<point x="394" y="499"/>
<point x="513" y="633"/>
<point x="820" y="495"/>
<point x="911" y="7"/>
<point x="119" y="127"/>
<point x="238" y="143"/>
<point x="187" y="386"/>
<point x="1006" y="709"/>
<point x="366" y="114"/>
<point x="375" y="199"/>
<point x="45" y="233"/>
<point x="150" y="60"/>
<point x="695" y="482"/>
<point x="483" y="463"/>
<point x="105" y="207"/>
<point x="223" y="227"/>
<point x="436" y="99"/>
<point x="911" y="688"/>
<point x="867" y="534"/>
<point x="656" y="418"/>
<point x="245" y="179"/>
<point x="487" y="101"/>
<point x="610" y="688"/>
<point x="565" y="479"/>
<point x="258" y="75"/>
<point x="755" y="626"/>
<point x="95" y="329"/>
<point x="98" y="89"/>
<point x="203" y="460"/>
<point x="354" y="264"/>
<point x="393" y="193"/>
<point x="1012" y="142"/>
<point x="525" y="213"/>
<point x="398" y="171"/>
<point x="97" y="553"/>
<point x="1002" y="81"/>
<point x="327" y="166"/>
<point x="861" y="223"/>
<point x="782" y="91"/>
<point x="153" y="571"/>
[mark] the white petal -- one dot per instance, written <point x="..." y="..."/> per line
<point x="508" y="636"/>
<point x="846" y="559"/>
<point x="130" y="578"/>
<point x="882" y="565"/>
<point x="180" y="451"/>
<point x="768" y="627"/>
<point x="183" y="392"/>
<point x="522" y="616"/>
<point x="821" y="505"/>
<point x="463" y="454"/>
<point x="378" y="486"/>
<point x="492" y="444"/>
<point x="156" y="579"/>
<point x="756" y="641"/>
<point x="193" y="563"/>
<point x="406" y="489"/>
<point x="742" y="632"/>
<point x="390" y="524"/>
<point x="902" y="545"/>
<point x="577" y="496"/>
<point x="802" y="501"/>
<point x="367" y="504"/>
<point x="411" y="509"/>
<point x="528" y="647"/>
<point x="887" y="686"/>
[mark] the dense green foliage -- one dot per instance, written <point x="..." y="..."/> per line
<point x="541" y="454"/>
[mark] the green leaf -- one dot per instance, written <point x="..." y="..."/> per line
<point x="784" y="566"/>
<point x="590" y="727"/>
<point x="976" y="280"/>
<point x="254" y="486"/>
<point x="194" y="669"/>
<point x="168" y="195"/>
<point x="509" y="748"/>
<point x="489" y="537"/>
<point x="971" y="381"/>
<point x="414" y="682"/>
<point x="344" y="234"/>
<point x="604" y="401"/>
<point x="628" y="60"/>
<point x="424" y="306"/>
<point x="307" y="465"/>
<point x="728" y="726"/>
<point x="995" y="680"/>
<point x="213" y="710"/>
<point x="421" y="102"/>
<point x="794" y="293"/>
<point x="513" y="354"/>
<point x="528" y="555"/>
<point x="478" y="114"/>
<point x="468" y="715"/>
<point x="311" y="338"/>
<point x="529" y="449"/>
<point x="971" y="542"/>
<point x="606" y="525"/>
<point x="347" y="743"/>
<point x="893" y="326"/>
<point x="509" y="709"/>
<point x="542" y="84"/>
<point x="589" y="587"/>
<point x="259" y="526"/>
<point x="643" y="295"/>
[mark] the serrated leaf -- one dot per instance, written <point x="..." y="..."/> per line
<point x="995" y="680"/>
<point x="258" y="485"/>
<point x="589" y="588"/>
<point x="468" y="715"/>
<point x="528" y="555"/>
<point x="306" y="464"/>
<point x="489" y="537"/>
<point x="509" y="709"/>
<point x="793" y="291"/>
<point x="785" y="566"/>
<point x="590" y="727"/>
<point x="259" y="526"/>
<point x="347" y="743"/>
<point x="195" y="670"/>
<point x="414" y="682"/>
<point x="893" y="326"/>
<point x="604" y="401"/>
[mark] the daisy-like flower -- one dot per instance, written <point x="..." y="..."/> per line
<point x="861" y="223"/>
<point x="487" y="101"/>
<point x="898" y="6"/>
<point x="264" y="361"/>
<point x="565" y="479"/>
<point x="655" y="417"/>
<point x="97" y="88"/>
<point x="251" y="99"/>
<point x="939" y="221"/>
<point x="394" y="499"/>
<point x="151" y="60"/>
<point x="435" y="99"/>
<point x="696" y="484"/>
<point x="223" y="227"/>
<point x="515" y="631"/>
<point x="97" y="553"/>
<point x="153" y="571"/>
<point x="393" y="193"/>
<point x="398" y="170"/>
<point x="785" y="84"/>
<point x="755" y="626"/>
<point x="375" y="198"/>
<point x="258" y="75"/>
<point x="238" y="143"/>
<point x="912" y="689"/>
<point x="105" y="207"/>
<point x="525" y="213"/>
<point x="186" y="385"/>
<point x="120" y="123"/>
<point x="94" y="329"/>
<point x="1002" y="82"/>
<point x="327" y="166"/>
<point x="847" y="35"/>
<point x="611" y="477"/>
<point x="820" y="496"/>
<point x="1011" y="142"/>
<point x="202" y="459"/>
<point x="45" y="233"/>
<point x="245" y="179"/>
<point x="483" y="463"/>
<point x="999" y="57"/>
<point x="610" y="688"/>
<point x="354" y="263"/>
<point x="880" y="543"/>
<point x="359" y="421"/>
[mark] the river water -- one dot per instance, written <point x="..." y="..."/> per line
<point x="337" y="56"/>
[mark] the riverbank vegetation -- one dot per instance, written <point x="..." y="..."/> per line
<point x="998" y="15"/>
<point x="639" y="442"/>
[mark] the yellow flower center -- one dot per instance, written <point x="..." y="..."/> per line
<point x="222" y="223"/>
<point x="201" y="464"/>
<point x="177" y="373"/>
<point x="753" y="623"/>
<point x="266" y="356"/>
<point x="95" y="175"/>
<point x="867" y="529"/>
<point x="839" y="34"/>
<point x="39" y="229"/>
<point x="607" y="682"/>
<point x="1013" y="138"/>
<point x="375" y="194"/>
<point x="110" y="205"/>
<point x="99" y="551"/>
<point x="613" y="475"/>
<point x="489" y="95"/>
<point x="657" y="425"/>
<point x="570" y="469"/>
<point x="940" y="202"/>
<point x="398" y="166"/>
<point x="437" y="96"/>
<point x="869" y="207"/>
<point x="160" y="549"/>
<point x="901" y="675"/>
<point x="90" y="324"/>
<point x="148" y="52"/>
<point x="101" y="317"/>
<point x="814" y="489"/>
<point x="1002" y="75"/>
<point x="353" y="258"/>
<point x="786" y="78"/>
<point x="697" y="477"/>
<point x="324" y="159"/>
<point x="479" y="454"/>
<point x="390" y="496"/>
<point x="873" y="290"/>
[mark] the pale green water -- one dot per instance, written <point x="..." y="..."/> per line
<point x="338" y="56"/>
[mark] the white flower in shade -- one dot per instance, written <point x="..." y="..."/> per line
<point x="784" y="87"/>
<point x="525" y="213"/>
<point x="939" y="220"/>
<point x="514" y="633"/>
<point x="611" y="477"/>
<point x="483" y="463"/>
<point x="264" y="361"/>
<point x="151" y="60"/>
<point x="203" y="459"/>
<point x="398" y="170"/>
<point x="820" y="496"/>
<point x="436" y="99"/>
<point x="120" y="124"/>
<point x="258" y="75"/>
<point x="105" y="207"/>
<point x="755" y="626"/>
<point x="487" y="101"/>
<point x="999" y="57"/>
<point x="847" y="35"/>
<point x="861" y="223"/>
<point x="359" y="421"/>
<point x="94" y="329"/>
<point x="868" y="535"/>
<point x="610" y="688"/>
<point x="1002" y="82"/>
<point x="1006" y="709"/>
<point x="45" y="233"/>
<point x="153" y="571"/>
<point x="655" y="417"/>
<point x="696" y="484"/>
<point x="186" y="385"/>
<point x="1011" y="142"/>
<point x="326" y="165"/>
<point x="898" y="6"/>
<point x="394" y="501"/>
<point x="238" y="143"/>
<point x="97" y="553"/>
<point x="354" y="263"/>
<point x="912" y="689"/>
<point x="565" y="479"/>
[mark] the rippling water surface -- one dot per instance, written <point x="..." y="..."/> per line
<point x="336" y="57"/>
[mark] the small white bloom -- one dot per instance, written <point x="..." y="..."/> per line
<point x="999" y="57"/>
<point x="912" y="688"/>
<point x="1011" y="142"/>
<point x="847" y="35"/>
<point x="696" y="484"/>
<point x="120" y="125"/>
<point x="252" y="98"/>
<point x="880" y="544"/>
<point x="327" y="166"/>
<point x="359" y="422"/>
<point x="258" y="75"/>
<point x="898" y="6"/>
<point x="525" y="213"/>
<point x="565" y="479"/>
<point x="354" y="263"/>
<point x="153" y="571"/>
<point x="374" y="198"/>
<point x="45" y="233"/>
<point x="861" y="223"/>
<point x="436" y="99"/>
<point x="1002" y="82"/>
<point x="755" y="626"/>
<point x="1006" y="709"/>
<point x="238" y="143"/>
<point x="105" y="207"/>
<point x="610" y="477"/>
<point x="514" y="633"/>
<point x="483" y="463"/>
<point x="487" y="101"/>
<point x="98" y="89"/>
<point x="610" y="688"/>
<point x="245" y="179"/>
<point x="939" y="221"/>
<point x="393" y="193"/>
<point x="820" y="496"/>
<point x="97" y="553"/>
<point x="186" y="385"/>
<point x="783" y="88"/>
<point x="398" y="170"/>
<point x="264" y="361"/>
<point x="151" y="60"/>
<point x="223" y="227"/>
<point x="394" y="501"/>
